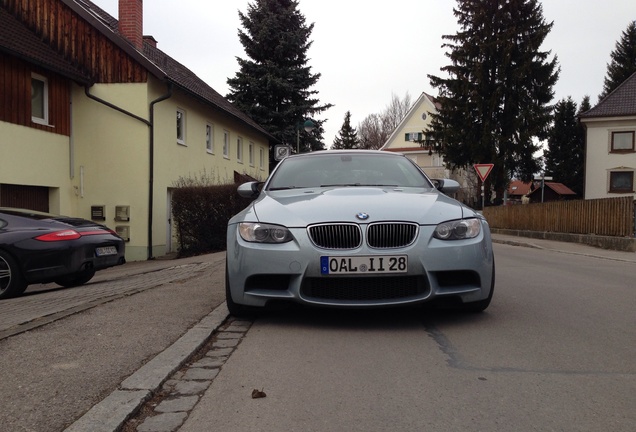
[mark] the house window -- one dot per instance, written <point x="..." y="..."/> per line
<point x="226" y="144"/>
<point x="261" y="158"/>
<point x="623" y="141"/>
<point x="181" y="134"/>
<point x="209" y="138"/>
<point x="239" y="149"/>
<point x="39" y="99"/>
<point x="621" y="182"/>
<point x="413" y="136"/>
<point x="250" y="151"/>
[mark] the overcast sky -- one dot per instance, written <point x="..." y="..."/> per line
<point x="366" y="52"/>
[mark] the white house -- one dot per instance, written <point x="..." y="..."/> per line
<point x="610" y="154"/>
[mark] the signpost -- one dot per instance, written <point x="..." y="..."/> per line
<point x="482" y="171"/>
<point x="543" y="178"/>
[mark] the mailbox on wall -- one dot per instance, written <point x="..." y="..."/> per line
<point x="122" y="213"/>
<point x="98" y="213"/>
<point x="123" y="231"/>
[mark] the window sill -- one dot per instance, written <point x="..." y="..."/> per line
<point x="42" y="123"/>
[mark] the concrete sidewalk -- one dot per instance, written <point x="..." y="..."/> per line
<point x="112" y="413"/>
<point x="564" y="247"/>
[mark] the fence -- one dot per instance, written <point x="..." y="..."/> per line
<point x="604" y="217"/>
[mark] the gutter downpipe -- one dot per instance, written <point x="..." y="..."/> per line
<point x="150" y="124"/>
<point x="151" y="156"/>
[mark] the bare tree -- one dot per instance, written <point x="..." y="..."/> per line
<point x="371" y="132"/>
<point x="375" y="129"/>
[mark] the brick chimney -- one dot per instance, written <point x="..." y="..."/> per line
<point x="131" y="21"/>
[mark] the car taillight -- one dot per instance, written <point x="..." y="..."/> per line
<point x="59" y="236"/>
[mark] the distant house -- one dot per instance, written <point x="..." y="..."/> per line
<point x="551" y="192"/>
<point x="410" y="139"/>
<point x="97" y="122"/>
<point x="517" y="190"/>
<point x="610" y="152"/>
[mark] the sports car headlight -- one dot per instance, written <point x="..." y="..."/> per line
<point x="264" y="233"/>
<point x="458" y="229"/>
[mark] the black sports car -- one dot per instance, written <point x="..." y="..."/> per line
<point x="38" y="247"/>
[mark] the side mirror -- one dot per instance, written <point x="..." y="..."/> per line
<point x="446" y="186"/>
<point x="250" y="189"/>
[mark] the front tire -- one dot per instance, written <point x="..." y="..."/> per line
<point x="11" y="281"/>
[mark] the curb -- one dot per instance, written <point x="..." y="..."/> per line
<point x="111" y="413"/>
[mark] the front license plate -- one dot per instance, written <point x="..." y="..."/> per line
<point x="372" y="264"/>
<point x="106" y="250"/>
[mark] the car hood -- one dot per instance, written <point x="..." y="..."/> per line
<point x="302" y="207"/>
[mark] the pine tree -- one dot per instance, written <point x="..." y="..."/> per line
<point x="623" y="63"/>
<point x="566" y="140"/>
<point x="274" y="85"/>
<point x="347" y="137"/>
<point x="495" y="100"/>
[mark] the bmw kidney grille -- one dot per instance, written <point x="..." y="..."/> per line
<point x="349" y="236"/>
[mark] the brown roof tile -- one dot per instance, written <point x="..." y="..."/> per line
<point x="19" y="41"/>
<point x="519" y="188"/>
<point x="620" y="102"/>
<point x="559" y="188"/>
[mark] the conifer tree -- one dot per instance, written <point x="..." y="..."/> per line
<point x="347" y="137"/>
<point x="495" y="99"/>
<point x="623" y="63"/>
<point x="274" y="84"/>
<point x="566" y="140"/>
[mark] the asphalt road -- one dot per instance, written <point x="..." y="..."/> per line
<point x="555" y="351"/>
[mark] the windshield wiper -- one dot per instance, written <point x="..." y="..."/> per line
<point x="282" y="188"/>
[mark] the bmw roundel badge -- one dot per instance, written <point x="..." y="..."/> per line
<point x="362" y="216"/>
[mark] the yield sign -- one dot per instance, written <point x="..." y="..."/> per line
<point x="483" y="170"/>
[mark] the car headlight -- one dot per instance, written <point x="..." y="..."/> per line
<point x="458" y="229"/>
<point x="264" y="233"/>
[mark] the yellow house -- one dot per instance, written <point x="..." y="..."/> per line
<point x="97" y="122"/>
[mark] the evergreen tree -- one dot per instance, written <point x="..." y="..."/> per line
<point x="495" y="98"/>
<point x="564" y="158"/>
<point x="623" y="63"/>
<point x="274" y="85"/>
<point x="347" y="137"/>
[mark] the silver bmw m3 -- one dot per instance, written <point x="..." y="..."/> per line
<point x="356" y="229"/>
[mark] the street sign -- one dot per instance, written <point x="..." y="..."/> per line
<point x="483" y="170"/>
<point x="281" y="151"/>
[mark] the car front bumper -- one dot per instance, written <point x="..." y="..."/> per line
<point x="258" y="273"/>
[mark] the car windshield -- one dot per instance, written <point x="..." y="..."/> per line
<point x="347" y="169"/>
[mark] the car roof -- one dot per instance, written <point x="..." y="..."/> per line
<point x="348" y="151"/>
